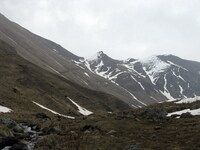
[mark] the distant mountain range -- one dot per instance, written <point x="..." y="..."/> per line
<point x="137" y="82"/>
<point x="149" y="80"/>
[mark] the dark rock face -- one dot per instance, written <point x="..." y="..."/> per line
<point x="54" y="130"/>
<point x="155" y="114"/>
<point x="7" y="141"/>
<point x="157" y="127"/>
<point x="18" y="129"/>
<point x="186" y="115"/>
<point x="25" y="135"/>
<point x="8" y="122"/>
<point x="19" y="146"/>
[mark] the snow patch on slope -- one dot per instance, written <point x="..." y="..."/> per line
<point x="171" y="63"/>
<point x="153" y="66"/>
<point x="188" y="100"/>
<point x="81" y="110"/>
<point x="86" y="74"/>
<point x="4" y="109"/>
<point x="193" y="112"/>
<point x="54" y="112"/>
<point x="142" y="87"/>
<point x="166" y="93"/>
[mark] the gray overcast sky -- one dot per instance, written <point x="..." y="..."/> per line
<point x="120" y="28"/>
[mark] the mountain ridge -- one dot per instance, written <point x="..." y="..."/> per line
<point x="137" y="82"/>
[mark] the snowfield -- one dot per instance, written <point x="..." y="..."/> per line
<point x="193" y="112"/>
<point x="188" y="100"/>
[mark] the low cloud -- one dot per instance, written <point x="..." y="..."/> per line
<point x="121" y="28"/>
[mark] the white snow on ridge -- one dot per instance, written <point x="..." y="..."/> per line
<point x="87" y="64"/>
<point x="178" y="76"/>
<point x="171" y="63"/>
<point x="153" y="66"/>
<point x="130" y="67"/>
<point x="4" y="109"/>
<point x="77" y="63"/>
<point x="115" y="76"/>
<point x="188" y="100"/>
<point x="81" y="110"/>
<point x="54" y="112"/>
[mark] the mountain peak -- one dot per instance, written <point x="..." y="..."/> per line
<point x="97" y="56"/>
<point x="100" y="53"/>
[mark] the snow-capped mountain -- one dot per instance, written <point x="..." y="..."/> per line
<point x="149" y="80"/>
<point x="134" y="81"/>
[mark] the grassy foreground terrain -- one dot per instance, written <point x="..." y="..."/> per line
<point x="128" y="130"/>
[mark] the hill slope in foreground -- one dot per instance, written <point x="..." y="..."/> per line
<point x="26" y="88"/>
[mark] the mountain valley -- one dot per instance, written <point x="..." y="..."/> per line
<point x="52" y="99"/>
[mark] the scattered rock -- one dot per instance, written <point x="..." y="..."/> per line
<point x="18" y="129"/>
<point x="87" y="132"/>
<point x="72" y="132"/>
<point x="137" y="119"/>
<point x="157" y="127"/>
<point x="130" y="116"/>
<point x="52" y="130"/>
<point x="19" y="146"/>
<point x="154" y="114"/>
<point x="90" y="128"/>
<point x="175" y="115"/>
<point x="153" y="137"/>
<point x="119" y="117"/>
<point x="91" y="118"/>
<point x="125" y="116"/>
<point x="42" y="116"/>
<point x="16" y="90"/>
<point x="186" y="115"/>
<point x="134" y="146"/>
<point x="111" y="132"/>
<point x="8" y="122"/>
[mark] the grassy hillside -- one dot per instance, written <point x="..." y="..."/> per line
<point x="22" y="82"/>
